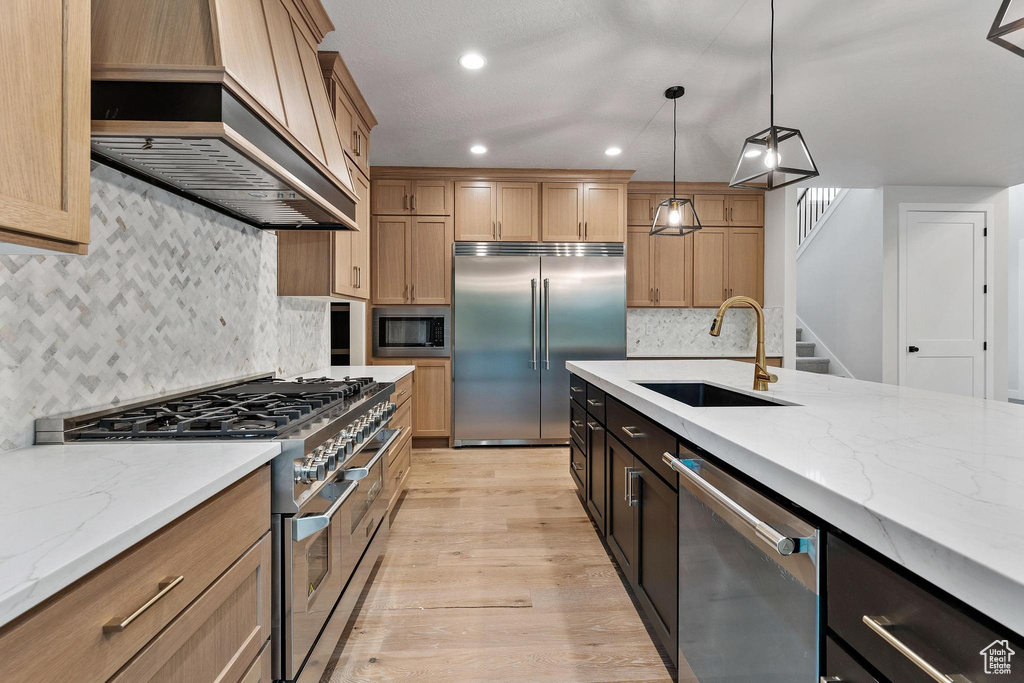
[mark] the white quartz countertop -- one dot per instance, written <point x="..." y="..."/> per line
<point x="380" y="373"/>
<point x="933" y="481"/>
<point x="67" y="509"/>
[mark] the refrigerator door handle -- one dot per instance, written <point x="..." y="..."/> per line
<point x="533" y="322"/>
<point x="547" y="323"/>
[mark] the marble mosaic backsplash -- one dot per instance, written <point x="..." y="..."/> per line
<point x="172" y="295"/>
<point x="679" y="332"/>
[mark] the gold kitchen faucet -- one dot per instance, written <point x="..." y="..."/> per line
<point x="762" y="378"/>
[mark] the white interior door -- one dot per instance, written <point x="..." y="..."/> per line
<point x="942" y="301"/>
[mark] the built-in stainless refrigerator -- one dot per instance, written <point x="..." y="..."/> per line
<point x="519" y="312"/>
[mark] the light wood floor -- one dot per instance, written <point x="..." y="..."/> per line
<point x="493" y="572"/>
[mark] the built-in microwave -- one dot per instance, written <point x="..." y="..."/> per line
<point x="411" y="331"/>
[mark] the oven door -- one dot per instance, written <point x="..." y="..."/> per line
<point x="368" y="504"/>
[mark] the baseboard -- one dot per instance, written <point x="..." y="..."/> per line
<point x="430" y="442"/>
<point x="1015" y="396"/>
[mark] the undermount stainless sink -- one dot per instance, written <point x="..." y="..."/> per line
<point x="701" y="395"/>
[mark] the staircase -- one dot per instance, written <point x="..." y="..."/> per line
<point x="805" y="358"/>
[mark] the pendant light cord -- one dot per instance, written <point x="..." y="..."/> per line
<point x="674" y="102"/>
<point x="771" y="69"/>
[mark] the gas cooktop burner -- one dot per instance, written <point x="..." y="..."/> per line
<point x="261" y="408"/>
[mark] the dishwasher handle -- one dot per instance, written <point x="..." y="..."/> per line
<point x="782" y="544"/>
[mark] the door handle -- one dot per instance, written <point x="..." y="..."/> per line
<point x="533" y="323"/>
<point x="499" y="230"/>
<point x="355" y="276"/>
<point x="584" y="229"/>
<point x="579" y="229"/>
<point x="547" y="323"/>
<point x="880" y="626"/>
<point x="913" y="349"/>
<point x="652" y="295"/>
<point x="494" y="230"/>
<point x="412" y="202"/>
<point x="625" y="483"/>
<point x="405" y="201"/>
<point x="633" y="500"/>
<point x="657" y="295"/>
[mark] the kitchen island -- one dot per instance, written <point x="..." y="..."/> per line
<point x="932" y="484"/>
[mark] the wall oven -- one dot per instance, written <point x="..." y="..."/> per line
<point x="411" y="331"/>
<point x="321" y="548"/>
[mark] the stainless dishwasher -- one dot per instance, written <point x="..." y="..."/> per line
<point x="748" y="582"/>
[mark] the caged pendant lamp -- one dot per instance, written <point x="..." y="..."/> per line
<point x="777" y="156"/>
<point x="1008" y="28"/>
<point x="670" y="218"/>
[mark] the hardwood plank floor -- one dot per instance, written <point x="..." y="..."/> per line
<point x="493" y="572"/>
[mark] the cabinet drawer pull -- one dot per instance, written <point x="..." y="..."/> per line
<point x="592" y="402"/>
<point x="575" y="390"/>
<point x="575" y="466"/>
<point x="594" y="427"/>
<point x="879" y="624"/>
<point x="830" y="679"/>
<point x="118" y="624"/>
<point x="577" y="424"/>
<point x="403" y="392"/>
<point x="632" y="433"/>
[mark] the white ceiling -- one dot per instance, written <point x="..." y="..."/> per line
<point x="884" y="91"/>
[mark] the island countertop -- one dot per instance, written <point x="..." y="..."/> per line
<point x="935" y="482"/>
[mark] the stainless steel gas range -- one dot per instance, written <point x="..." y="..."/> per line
<point x="329" y="512"/>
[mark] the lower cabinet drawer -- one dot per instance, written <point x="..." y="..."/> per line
<point x="259" y="670"/>
<point x="403" y="420"/>
<point x="596" y="403"/>
<point x="403" y="390"/>
<point x="398" y="470"/>
<point x="888" y="619"/>
<point x="577" y="422"/>
<point x="218" y="636"/>
<point x="841" y="668"/>
<point x="578" y="467"/>
<point x="89" y="627"/>
<point x="643" y="437"/>
<point x="577" y="389"/>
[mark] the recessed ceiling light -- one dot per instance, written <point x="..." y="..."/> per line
<point x="472" y="60"/>
<point x="613" y="151"/>
<point x="477" y="149"/>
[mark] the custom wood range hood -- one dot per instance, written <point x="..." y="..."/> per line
<point x="224" y="101"/>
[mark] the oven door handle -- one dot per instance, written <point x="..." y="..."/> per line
<point x="304" y="527"/>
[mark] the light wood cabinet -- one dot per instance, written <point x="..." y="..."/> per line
<point x="562" y="212"/>
<point x="518" y="212"/>
<point x="710" y="209"/>
<point x="725" y="210"/>
<point x="640" y="209"/>
<point x="44" y="125"/>
<point x="659" y="269"/>
<point x="412" y="259"/>
<point x="727" y="262"/>
<point x="431" y="394"/>
<point x="476" y="211"/>
<point x="412" y="197"/>
<point x="604" y="212"/>
<point x="328" y="263"/>
<point x="194" y="626"/>
<point x="353" y="115"/>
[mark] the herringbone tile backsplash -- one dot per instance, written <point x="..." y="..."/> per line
<point x="171" y="295"/>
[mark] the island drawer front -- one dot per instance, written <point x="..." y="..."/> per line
<point x="643" y="437"/>
<point x="841" y="667"/>
<point x="577" y="422"/>
<point x="403" y="390"/>
<point x="596" y="403"/>
<point x="578" y="467"/>
<point x="401" y="420"/>
<point x="860" y="586"/>
<point x="219" y="634"/>
<point x="65" y="636"/>
<point x="577" y="389"/>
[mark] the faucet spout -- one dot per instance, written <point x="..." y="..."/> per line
<point x="762" y="378"/>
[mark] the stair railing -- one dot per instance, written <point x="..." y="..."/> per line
<point x="811" y="204"/>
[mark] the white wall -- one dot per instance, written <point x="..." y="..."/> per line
<point x="892" y="197"/>
<point x="1015" y="298"/>
<point x="839" y="284"/>
<point x="780" y="263"/>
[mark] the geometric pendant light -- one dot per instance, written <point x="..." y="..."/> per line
<point x="776" y="156"/>
<point x="1008" y="28"/>
<point x="671" y="218"/>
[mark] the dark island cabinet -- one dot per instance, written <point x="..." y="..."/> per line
<point x="621" y="535"/>
<point x="657" y="553"/>
<point x="597" y="474"/>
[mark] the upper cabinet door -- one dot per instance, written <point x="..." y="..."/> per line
<point x="431" y="260"/>
<point x="562" y="219"/>
<point x="672" y="263"/>
<point x="431" y="198"/>
<point x="44" y="124"/>
<point x="391" y="196"/>
<point x="640" y="209"/>
<point x="518" y="212"/>
<point x="475" y="211"/>
<point x="361" y="239"/>
<point x="639" y="287"/>
<point x="710" y="266"/>
<point x="746" y="263"/>
<point x="298" y="108"/>
<point x="745" y="210"/>
<point x="604" y="212"/>
<point x="334" y="156"/>
<point x="391" y="253"/>
<point x="711" y="209"/>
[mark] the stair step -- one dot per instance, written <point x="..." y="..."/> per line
<point x="819" y="365"/>
<point x="799" y="334"/>
<point x="804" y="349"/>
